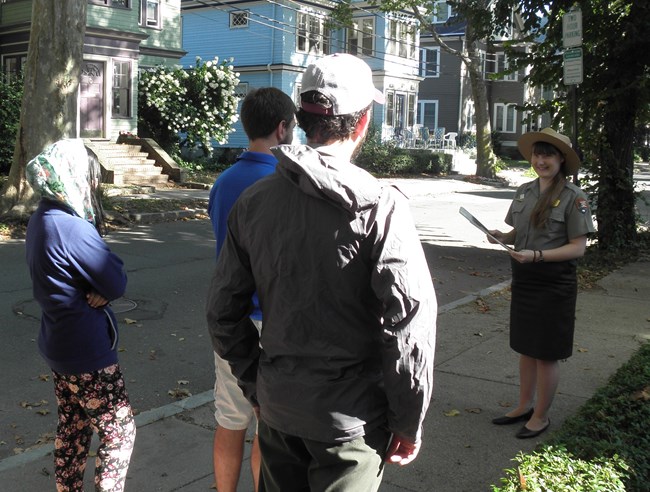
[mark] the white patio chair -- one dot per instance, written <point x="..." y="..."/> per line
<point x="449" y="140"/>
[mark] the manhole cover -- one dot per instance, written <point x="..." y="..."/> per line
<point x="123" y="305"/>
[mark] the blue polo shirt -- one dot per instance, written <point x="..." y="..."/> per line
<point x="249" y="168"/>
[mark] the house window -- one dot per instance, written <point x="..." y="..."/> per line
<point x="241" y="90"/>
<point x="313" y="35"/>
<point x="361" y="36"/>
<point x="401" y="39"/>
<point x="502" y="65"/>
<point x="470" y="117"/>
<point x="124" y="4"/>
<point x="399" y="109"/>
<point x="390" y="108"/>
<point x="13" y="65"/>
<point x="428" y="114"/>
<point x="238" y="19"/>
<point x="505" y="117"/>
<point x="430" y="62"/>
<point x="150" y="15"/>
<point x="121" y="89"/>
<point x="441" y="12"/>
<point x="482" y="60"/>
<point x="410" y="119"/>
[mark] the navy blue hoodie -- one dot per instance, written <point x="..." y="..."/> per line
<point x="67" y="259"/>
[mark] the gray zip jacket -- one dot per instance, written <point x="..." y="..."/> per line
<point x="348" y="306"/>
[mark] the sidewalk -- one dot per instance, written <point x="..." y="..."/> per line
<point x="476" y="380"/>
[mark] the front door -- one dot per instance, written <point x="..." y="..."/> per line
<point x="92" y="99"/>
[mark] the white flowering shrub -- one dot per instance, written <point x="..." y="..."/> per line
<point x="199" y="104"/>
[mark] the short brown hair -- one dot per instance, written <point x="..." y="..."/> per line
<point x="264" y="109"/>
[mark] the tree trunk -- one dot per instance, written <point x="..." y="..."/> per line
<point x="49" y="107"/>
<point x="616" y="199"/>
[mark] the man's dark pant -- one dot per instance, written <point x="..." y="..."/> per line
<point x="294" y="464"/>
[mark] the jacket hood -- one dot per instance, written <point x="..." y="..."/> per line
<point x="328" y="177"/>
<point x="61" y="173"/>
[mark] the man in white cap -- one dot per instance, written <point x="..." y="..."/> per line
<point x="341" y="375"/>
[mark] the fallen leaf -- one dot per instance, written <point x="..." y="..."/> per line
<point x="121" y="349"/>
<point x="152" y="355"/>
<point x="43" y="411"/>
<point x="582" y="350"/>
<point x="179" y="393"/>
<point x="478" y="334"/>
<point x="505" y="404"/>
<point x="643" y="394"/>
<point x="482" y="305"/>
<point x="522" y="480"/>
<point x="44" y="377"/>
<point x="182" y="382"/>
<point x="130" y="321"/>
<point x="18" y="450"/>
<point x="473" y="410"/>
<point x="452" y="413"/>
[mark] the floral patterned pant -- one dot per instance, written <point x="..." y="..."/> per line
<point x="95" y="401"/>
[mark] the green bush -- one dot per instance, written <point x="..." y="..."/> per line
<point x="11" y="95"/>
<point x="386" y="159"/>
<point x="606" y="444"/>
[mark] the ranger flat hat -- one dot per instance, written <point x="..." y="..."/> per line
<point x="559" y="141"/>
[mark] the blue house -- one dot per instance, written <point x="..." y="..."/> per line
<point x="271" y="43"/>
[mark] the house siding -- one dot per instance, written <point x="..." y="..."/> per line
<point x="113" y="34"/>
<point x="265" y="52"/>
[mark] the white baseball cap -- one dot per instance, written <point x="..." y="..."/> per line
<point x="345" y="80"/>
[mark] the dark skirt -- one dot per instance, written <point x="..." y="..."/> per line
<point x="542" y="311"/>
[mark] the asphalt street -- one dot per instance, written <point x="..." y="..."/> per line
<point x="164" y="349"/>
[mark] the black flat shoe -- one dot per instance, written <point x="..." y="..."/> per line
<point x="526" y="433"/>
<point x="505" y="420"/>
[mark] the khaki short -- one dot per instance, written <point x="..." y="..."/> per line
<point x="232" y="410"/>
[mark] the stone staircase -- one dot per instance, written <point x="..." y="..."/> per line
<point x="126" y="164"/>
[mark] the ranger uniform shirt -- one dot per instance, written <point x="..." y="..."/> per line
<point x="570" y="217"/>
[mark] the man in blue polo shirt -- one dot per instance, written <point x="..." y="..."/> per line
<point x="268" y="117"/>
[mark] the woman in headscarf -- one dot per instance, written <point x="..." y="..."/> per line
<point x="75" y="276"/>
<point x="550" y="221"/>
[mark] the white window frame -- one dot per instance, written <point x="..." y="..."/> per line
<point x="313" y="32"/>
<point x="401" y="39"/>
<point x="422" y="105"/>
<point x="360" y="38"/>
<point x="239" y="19"/>
<point x="441" y="12"/>
<point x="13" y="64"/>
<point x="501" y="64"/>
<point x="470" y="116"/>
<point x="502" y="120"/>
<point x="241" y="90"/>
<point x="109" y="3"/>
<point x="121" y="82"/>
<point x="430" y="62"/>
<point x="147" y="19"/>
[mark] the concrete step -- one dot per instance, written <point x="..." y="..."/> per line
<point x="141" y="180"/>
<point x="130" y="161"/>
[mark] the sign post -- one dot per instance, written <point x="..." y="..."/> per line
<point x="572" y="64"/>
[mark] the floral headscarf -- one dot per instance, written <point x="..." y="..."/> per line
<point x="61" y="173"/>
